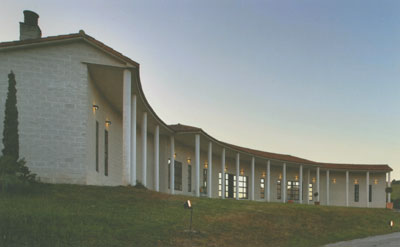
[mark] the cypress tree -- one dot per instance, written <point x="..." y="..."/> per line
<point x="10" y="131"/>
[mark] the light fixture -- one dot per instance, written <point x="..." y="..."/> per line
<point x="169" y="161"/>
<point x="263" y="174"/>
<point x="108" y="123"/>
<point x="95" y="108"/>
<point x="280" y="176"/>
<point x="205" y="165"/>
<point x="356" y="181"/>
<point x="296" y="178"/>
<point x="313" y="180"/>
<point x="188" y="205"/>
<point x="391" y="224"/>
<point x="334" y="180"/>
<point x="189" y="160"/>
<point x="242" y="171"/>
<point x="226" y="168"/>
<point x="174" y="155"/>
<point x="376" y="181"/>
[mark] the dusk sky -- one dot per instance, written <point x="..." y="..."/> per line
<point x="315" y="79"/>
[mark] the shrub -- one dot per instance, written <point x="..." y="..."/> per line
<point x="14" y="174"/>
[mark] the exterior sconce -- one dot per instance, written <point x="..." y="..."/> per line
<point x="296" y="178"/>
<point x="376" y="181"/>
<point x="263" y="174"/>
<point x="242" y="171"/>
<point x="108" y="123"/>
<point x="189" y="160"/>
<point x="280" y="176"/>
<point x="95" y="108"/>
<point x="205" y="164"/>
<point x="174" y="155"/>
<point x="356" y="181"/>
<point x="226" y="168"/>
<point x="313" y="180"/>
<point x="334" y="180"/>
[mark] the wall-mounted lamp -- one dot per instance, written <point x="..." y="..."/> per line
<point x="280" y="176"/>
<point x="356" y="181"/>
<point x="376" y="181"/>
<point x="226" y="168"/>
<point x="296" y="178"/>
<point x="334" y="180"/>
<point x="313" y="180"/>
<point x="95" y="108"/>
<point x="108" y="123"/>
<point x="189" y="160"/>
<point x="174" y="155"/>
<point x="205" y="165"/>
<point x="242" y="171"/>
<point x="263" y="174"/>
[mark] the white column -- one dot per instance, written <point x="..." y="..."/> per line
<point x="389" y="185"/>
<point x="318" y="184"/>
<point x="172" y="167"/>
<point x="133" y="140"/>
<point x="126" y="125"/>
<point x="327" y="187"/>
<point x="197" y="163"/>
<point x="308" y="185"/>
<point x="367" y="189"/>
<point x="144" y="149"/>
<point x="347" y="188"/>
<point x="301" y="184"/>
<point x="268" y="182"/>
<point x="157" y="158"/>
<point x="283" y="185"/>
<point x="237" y="175"/>
<point x="252" y="178"/>
<point x="223" y="173"/>
<point x="209" y="172"/>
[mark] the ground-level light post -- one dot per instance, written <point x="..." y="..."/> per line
<point x="188" y="205"/>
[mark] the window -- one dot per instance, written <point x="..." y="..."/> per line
<point x="97" y="146"/>
<point x="105" y="152"/>
<point x="226" y="185"/>
<point x="356" y="192"/>
<point x="293" y="190"/>
<point x="205" y="180"/>
<point x="262" y="188"/>
<point x="242" y="187"/>
<point x="370" y="193"/>
<point x="189" y="178"/>
<point x="310" y="192"/>
<point x="278" y="190"/>
<point x="177" y="175"/>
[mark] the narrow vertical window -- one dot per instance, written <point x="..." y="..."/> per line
<point x="278" y="190"/>
<point x="262" y="188"/>
<point x="189" y="178"/>
<point x="310" y="192"/>
<point x="105" y="152"/>
<point x="97" y="146"/>
<point x="204" y="180"/>
<point x="370" y="193"/>
<point x="356" y="192"/>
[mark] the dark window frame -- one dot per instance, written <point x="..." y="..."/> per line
<point x="106" y="152"/>
<point x="189" y="178"/>
<point x="262" y="188"/>
<point x="97" y="146"/>
<point x="278" y="189"/>
<point x="356" y="193"/>
<point x="177" y="175"/>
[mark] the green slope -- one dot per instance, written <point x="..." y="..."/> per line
<point x="71" y="215"/>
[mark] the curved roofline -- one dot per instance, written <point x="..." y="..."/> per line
<point x="176" y="129"/>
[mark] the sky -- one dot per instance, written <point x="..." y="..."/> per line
<point x="315" y="79"/>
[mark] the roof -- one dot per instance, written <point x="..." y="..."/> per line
<point x="66" y="37"/>
<point x="180" y="128"/>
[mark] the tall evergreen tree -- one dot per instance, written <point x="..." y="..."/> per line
<point x="10" y="131"/>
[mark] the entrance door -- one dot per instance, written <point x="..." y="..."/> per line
<point x="230" y="185"/>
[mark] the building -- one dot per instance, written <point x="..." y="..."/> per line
<point x="84" y="119"/>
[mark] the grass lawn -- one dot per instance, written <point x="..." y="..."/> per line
<point x="72" y="215"/>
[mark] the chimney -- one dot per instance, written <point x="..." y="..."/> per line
<point x="29" y="29"/>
